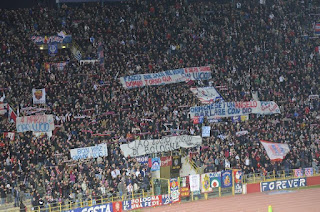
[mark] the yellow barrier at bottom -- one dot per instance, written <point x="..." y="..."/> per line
<point x="270" y="208"/>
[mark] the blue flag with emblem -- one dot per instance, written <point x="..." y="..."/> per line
<point x="52" y="49"/>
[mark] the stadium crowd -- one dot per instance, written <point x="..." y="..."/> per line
<point x="255" y="51"/>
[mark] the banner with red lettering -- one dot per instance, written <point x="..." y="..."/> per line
<point x="275" y="151"/>
<point x="184" y="186"/>
<point x="230" y="109"/>
<point x="38" y="123"/>
<point x="166" y="161"/>
<point x="166" y="77"/>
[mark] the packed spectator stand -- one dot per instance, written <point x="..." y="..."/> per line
<point x="266" y="51"/>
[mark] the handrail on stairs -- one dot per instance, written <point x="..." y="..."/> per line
<point x="191" y="162"/>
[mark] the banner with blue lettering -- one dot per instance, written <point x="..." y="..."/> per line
<point x="166" y="77"/>
<point x="206" y="131"/>
<point x="275" y="151"/>
<point x="229" y="109"/>
<point x="100" y="150"/>
<point x="143" y="159"/>
<point x="283" y="184"/>
<point x="226" y="179"/>
<point x="166" y="199"/>
<point x="126" y="205"/>
<point x="51" y="39"/>
<point x="38" y="123"/>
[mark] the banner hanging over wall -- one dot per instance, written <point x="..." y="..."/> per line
<point x="275" y="151"/>
<point x="166" y="77"/>
<point x="143" y="147"/>
<point x="100" y="150"/>
<point x="205" y="183"/>
<point x="283" y="184"/>
<point x="39" y="123"/>
<point x="229" y="109"/>
<point x="39" y="96"/>
<point x="226" y="179"/>
<point x="206" y="95"/>
<point x="174" y="190"/>
<point x="194" y="181"/>
<point x="215" y="179"/>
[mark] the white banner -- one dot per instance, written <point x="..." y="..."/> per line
<point x="194" y="181"/>
<point x="241" y="133"/>
<point x="170" y="143"/>
<point x="39" y="96"/>
<point x="100" y="150"/>
<point x="275" y="151"/>
<point x="229" y="109"/>
<point x="39" y="123"/>
<point x="206" y="131"/>
<point x="166" y="77"/>
<point x="206" y="95"/>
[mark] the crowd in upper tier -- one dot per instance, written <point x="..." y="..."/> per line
<point x="261" y="51"/>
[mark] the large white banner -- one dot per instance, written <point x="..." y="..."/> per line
<point x="170" y="143"/>
<point x="100" y="150"/>
<point x="166" y="77"/>
<point x="275" y="151"/>
<point x="206" y="95"/>
<point x="229" y="109"/>
<point x="39" y="96"/>
<point x="38" y="123"/>
<point x="194" y="181"/>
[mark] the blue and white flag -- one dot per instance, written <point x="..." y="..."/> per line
<point x="206" y="95"/>
<point x="52" y="49"/>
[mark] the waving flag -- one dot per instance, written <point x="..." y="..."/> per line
<point x="206" y="94"/>
<point x="275" y="151"/>
<point x="317" y="28"/>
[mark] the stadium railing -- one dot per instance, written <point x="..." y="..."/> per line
<point x="160" y="186"/>
<point x="274" y="175"/>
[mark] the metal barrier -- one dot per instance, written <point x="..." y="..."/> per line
<point x="162" y="186"/>
<point x="190" y="161"/>
<point x="272" y="176"/>
<point x="83" y="203"/>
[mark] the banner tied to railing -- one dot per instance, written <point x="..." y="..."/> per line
<point x="166" y="77"/>
<point x="230" y="109"/>
<point x="170" y="143"/>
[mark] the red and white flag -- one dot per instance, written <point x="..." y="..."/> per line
<point x="317" y="49"/>
<point x="275" y="151"/>
<point x="12" y="115"/>
<point x="9" y="135"/>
